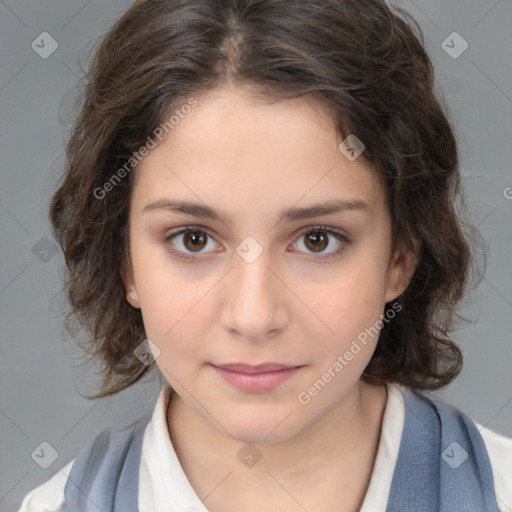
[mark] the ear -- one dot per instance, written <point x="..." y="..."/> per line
<point x="401" y="269"/>
<point x="129" y="285"/>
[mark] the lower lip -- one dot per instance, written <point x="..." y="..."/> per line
<point x="263" y="381"/>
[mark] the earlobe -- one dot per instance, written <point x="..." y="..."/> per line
<point x="403" y="266"/>
<point x="130" y="288"/>
<point x="133" y="298"/>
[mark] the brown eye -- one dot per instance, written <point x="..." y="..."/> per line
<point x="195" y="240"/>
<point x="189" y="243"/>
<point x="323" y="241"/>
<point x="316" y="241"/>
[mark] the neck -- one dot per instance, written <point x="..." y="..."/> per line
<point x="342" y="444"/>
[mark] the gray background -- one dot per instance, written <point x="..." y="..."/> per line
<point x="40" y="376"/>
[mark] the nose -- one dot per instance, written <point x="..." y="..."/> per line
<point x="254" y="300"/>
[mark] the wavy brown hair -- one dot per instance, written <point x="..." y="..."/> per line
<point x="363" y="59"/>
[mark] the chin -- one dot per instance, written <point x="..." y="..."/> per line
<point x="260" y="438"/>
<point x="259" y="432"/>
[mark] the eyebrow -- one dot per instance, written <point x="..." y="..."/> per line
<point x="291" y="214"/>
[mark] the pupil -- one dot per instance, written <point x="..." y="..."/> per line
<point x="195" y="239"/>
<point x="317" y="237"/>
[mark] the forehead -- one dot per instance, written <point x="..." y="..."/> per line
<point x="236" y="149"/>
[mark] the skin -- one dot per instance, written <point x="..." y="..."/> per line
<point x="291" y="305"/>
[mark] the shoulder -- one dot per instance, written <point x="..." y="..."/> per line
<point x="49" y="496"/>
<point x="110" y="445"/>
<point x="499" y="449"/>
<point x="497" y="446"/>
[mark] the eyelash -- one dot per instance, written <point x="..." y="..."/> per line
<point x="188" y="257"/>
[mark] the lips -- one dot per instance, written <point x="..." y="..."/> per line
<point x="260" y="368"/>
<point x="256" y="379"/>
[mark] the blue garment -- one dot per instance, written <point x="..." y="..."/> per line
<point x="105" y="475"/>
<point x="442" y="466"/>
<point x="442" y="462"/>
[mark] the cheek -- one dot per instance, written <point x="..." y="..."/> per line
<point x="173" y="305"/>
<point x="354" y="293"/>
<point x="176" y="321"/>
<point x="347" y="305"/>
<point x="173" y="314"/>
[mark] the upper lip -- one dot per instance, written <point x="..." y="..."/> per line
<point x="247" y="368"/>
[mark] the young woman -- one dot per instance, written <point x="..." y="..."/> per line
<point x="260" y="199"/>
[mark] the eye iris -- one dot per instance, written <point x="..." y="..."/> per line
<point x="317" y="237"/>
<point x="197" y="238"/>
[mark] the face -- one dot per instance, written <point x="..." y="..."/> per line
<point x="254" y="240"/>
